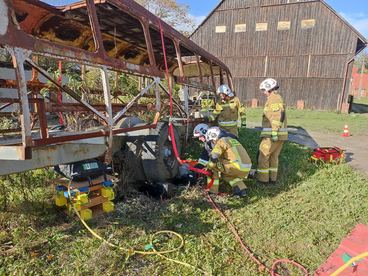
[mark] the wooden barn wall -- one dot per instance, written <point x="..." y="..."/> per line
<point x="329" y="36"/>
<point x="318" y="94"/>
<point x="314" y="57"/>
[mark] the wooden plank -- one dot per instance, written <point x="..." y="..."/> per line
<point x="95" y="201"/>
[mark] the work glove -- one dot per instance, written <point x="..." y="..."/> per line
<point x="214" y="158"/>
<point x="244" y="123"/>
<point x="211" y="165"/>
<point x="274" y="136"/>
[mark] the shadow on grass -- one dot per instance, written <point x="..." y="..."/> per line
<point x="185" y="214"/>
<point x="294" y="167"/>
<point x="46" y="214"/>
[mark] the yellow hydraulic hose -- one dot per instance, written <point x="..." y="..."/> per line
<point x="132" y="251"/>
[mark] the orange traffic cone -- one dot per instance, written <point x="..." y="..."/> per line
<point x="346" y="131"/>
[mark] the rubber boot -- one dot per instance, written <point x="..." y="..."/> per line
<point x="240" y="193"/>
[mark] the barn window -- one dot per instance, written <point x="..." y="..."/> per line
<point x="220" y="29"/>
<point x="261" y="27"/>
<point x="283" y="25"/>
<point x="308" y="23"/>
<point x="240" y="28"/>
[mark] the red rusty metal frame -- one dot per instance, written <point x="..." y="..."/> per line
<point x="15" y="37"/>
<point x="22" y="45"/>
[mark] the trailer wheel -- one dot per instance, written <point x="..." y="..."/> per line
<point x="158" y="158"/>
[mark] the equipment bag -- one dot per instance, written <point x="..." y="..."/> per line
<point x="83" y="170"/>
<point x="328" y="155"/>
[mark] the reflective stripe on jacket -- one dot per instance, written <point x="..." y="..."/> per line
<point x="232" y="155"/>
<point x="274" y="118"/>
<point x="230" y="113"/>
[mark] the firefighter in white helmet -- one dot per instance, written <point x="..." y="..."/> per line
<point x="199" y="132"/>
<point x="229" y="112"/>
<point x="274" y="132"/>
<point x="228" y="161"/>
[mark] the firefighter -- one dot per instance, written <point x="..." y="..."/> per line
<point x="229" y="112"/>
<point x="274" y="133"/>
<point x="228" y="161"/>
<point x="200" y="132"/>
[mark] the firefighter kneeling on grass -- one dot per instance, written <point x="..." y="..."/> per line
<point x="200" y="132"/>
<point x="228" y="161"/>
<point x="274" y="133"/>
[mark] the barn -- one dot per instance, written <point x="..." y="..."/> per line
<point x="306" y="45"/>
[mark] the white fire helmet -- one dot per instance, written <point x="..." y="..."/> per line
<point x="200" y="130"/>
<point x="213" y="134"/>
<point x="225" y="89"/>
<point x="268" y="84"/>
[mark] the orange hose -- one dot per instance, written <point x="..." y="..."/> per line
<point x="247" y="250"/>
<point x="261" y="267"/>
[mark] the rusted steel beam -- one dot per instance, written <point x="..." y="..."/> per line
<point x="66" y="89"/>
<point x="147" y="36"/>
<point x="41" y="111"/>
<point x="5" y="131"/>
<point x="212" y="75"/>
<point x="18" y="56"/>
<point x="95" y="134"/>
<point x="108" y="108"/>
<point x="158" y="97"/>
<point x="96" y="30"/>
<point x="77" y="107"/>
<point x="120" y="115"/>
<point x="30" y="84"/>
<point x="221" y="77"/>
<point x="197" y="85"/>
<point x="199" y="69"/>
<point x="15" y="36"/>
<point x="178" y="54"/>
<point x="181" y="110"/>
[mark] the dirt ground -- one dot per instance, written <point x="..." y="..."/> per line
<point x="356" y="146"/>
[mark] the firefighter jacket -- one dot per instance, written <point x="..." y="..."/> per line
<point x="229" y="114"/>
<point x="274" y="118"/>
<point x="208" y="147"/>
<point x="230" y="157"/>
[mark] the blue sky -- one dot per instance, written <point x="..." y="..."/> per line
<point x="355" y="11"/>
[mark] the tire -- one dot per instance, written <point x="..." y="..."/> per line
<point x="127" y="158"/>
<point x="158" y="158"/>
<point x="147" y="154"/>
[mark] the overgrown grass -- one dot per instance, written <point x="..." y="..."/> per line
<point x="318" y="120"/>
<point x="304" y="218"/>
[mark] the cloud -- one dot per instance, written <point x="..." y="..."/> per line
<point x="358" y="20"/>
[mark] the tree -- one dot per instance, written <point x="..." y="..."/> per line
<point x="173" y="13"/>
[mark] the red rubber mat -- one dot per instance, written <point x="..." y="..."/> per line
<point x="353" y="245"/>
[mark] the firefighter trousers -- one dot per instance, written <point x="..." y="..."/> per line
<point x="229" y="174"/>
<point x="268" y="160"/>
